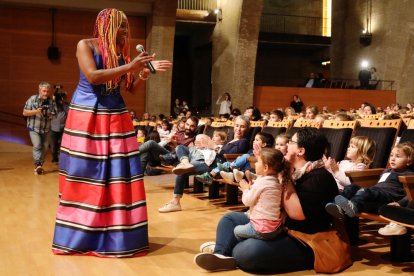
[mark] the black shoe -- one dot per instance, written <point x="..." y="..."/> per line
<point x="215" y="262"/>
<point x="397" y="214"/>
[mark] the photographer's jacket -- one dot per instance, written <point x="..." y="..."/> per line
<point x="40" y="123"/>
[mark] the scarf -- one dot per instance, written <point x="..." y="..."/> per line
<point x="308" y="167"/>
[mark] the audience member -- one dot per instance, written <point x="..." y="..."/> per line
<point x="239" y="144"/>
<point x="150" y="151"/>
<point x="312" y="81"/>
<point x="311" y="112"/>
<point x="374" y="79"/>
<point x="305" y="209"/>
<point x="225" y="104"/>
<point x="296" y="104"/>
<point x="355" y="199"/>
<point x="364" y="76"/>
<point x="359" y="154"/>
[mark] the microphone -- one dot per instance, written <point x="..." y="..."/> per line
<point x="149" y="65"/>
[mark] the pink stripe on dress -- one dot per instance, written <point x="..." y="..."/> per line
<point x="93" y="219"/>
<point x="99" y="147"/>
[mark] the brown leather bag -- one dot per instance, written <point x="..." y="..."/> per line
<point x="331" y="249"/>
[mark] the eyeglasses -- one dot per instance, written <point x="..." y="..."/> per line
<point x="291" y="142"/>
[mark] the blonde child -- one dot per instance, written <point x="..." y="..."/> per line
<point x="359" y="156"/>
<point x="281" y="143"/>
<point x="141" y="134"/>
<point x="219" y="139"/>
<point x="264" y="197"/>
<point x="389" y="189"/>
<point x="227" y="169"/>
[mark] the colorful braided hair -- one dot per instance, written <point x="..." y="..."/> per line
<point x="106" y="28"/>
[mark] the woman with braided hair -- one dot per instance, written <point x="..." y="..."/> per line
<point x="102" y="205"/>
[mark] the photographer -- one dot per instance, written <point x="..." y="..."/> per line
<point x="39" y="110"/>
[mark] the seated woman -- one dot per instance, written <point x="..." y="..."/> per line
<point x="314" y="186"/>
<point x="188" y="167"/>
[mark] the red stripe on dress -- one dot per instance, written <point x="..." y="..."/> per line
<point x="99" y="147"/>
<point x="111" y="218"/>
<point x="99" y="124"/>
<point x="101" y="195"/>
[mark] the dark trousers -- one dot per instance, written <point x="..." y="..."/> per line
<point x="366" y="199"/>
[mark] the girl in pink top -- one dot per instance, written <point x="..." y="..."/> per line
<point x="360" y="154"/>
<point x="264" y="196"/>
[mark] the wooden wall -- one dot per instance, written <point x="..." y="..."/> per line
<point x="26" y="34"/>
<point x="267" y="98"/>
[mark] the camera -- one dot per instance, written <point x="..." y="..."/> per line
<point x="45" y="108"/>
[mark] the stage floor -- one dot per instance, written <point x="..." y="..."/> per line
<point x="28" y="206"/>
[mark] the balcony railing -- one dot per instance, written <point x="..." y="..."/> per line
<point x="293" y="24"/>
<point x="206" y="5"/>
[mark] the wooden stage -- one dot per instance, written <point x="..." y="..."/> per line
<point x="27" y="211"/>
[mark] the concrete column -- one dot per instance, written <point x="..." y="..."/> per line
<point x="160" y="39"/>
<point x="235" y="40"/>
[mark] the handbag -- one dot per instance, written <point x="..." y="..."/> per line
<point x="331" y="249"/>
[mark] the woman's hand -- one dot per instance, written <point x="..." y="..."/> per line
<point x="161" y="65"/>
<point x="138" y="63"/>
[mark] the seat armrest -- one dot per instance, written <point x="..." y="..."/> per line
<point x="408" y="183"/>
<point x="231" y="157"/>
<point x="365" y="178"/>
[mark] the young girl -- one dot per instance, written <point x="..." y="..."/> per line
<point x="141" y="134"/>
<point x="261" y="140"/>
<point x="388" y="189"/>
<point x="264" y="197"/>
<point x="360" y="154"/>
<point x="281" y="143"/>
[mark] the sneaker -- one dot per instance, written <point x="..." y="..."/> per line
<point x="38" y="170"/>
<point x="227" y="176"/>
<point x="335" y="211"/>
<point x="183" y="168"/>
<point x="215" y="262"/>
<point x="392" y="229"/>
<point x="205" y="178"/>
<point x="223" y="167"/>
<point x="207" y="247"/>
<point x="346" y="205"/>
<point x="170" y="207"/>
<point x="168" y="159"/>
<point x="238" y="175"/>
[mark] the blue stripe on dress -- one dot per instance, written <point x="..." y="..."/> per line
<point x="101" y="242"/>
<point x="98" y="169"/>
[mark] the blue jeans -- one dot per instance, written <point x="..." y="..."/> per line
<point x="40" y="143"/>
<point x="150" y="153"/>
<point x="280" y="255"/>
<point x="196" y="159"/>
<point x="247" y="231"/>
<point x="367" y="199"/>
<point x="240" y="163"/>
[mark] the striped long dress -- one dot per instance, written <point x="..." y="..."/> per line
<point x="102" y="207"/>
